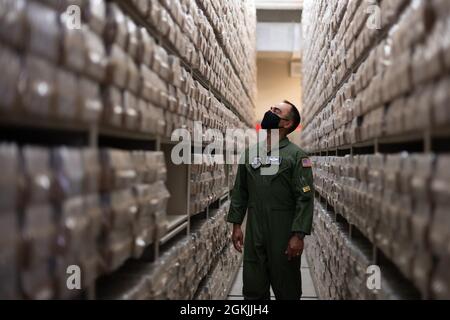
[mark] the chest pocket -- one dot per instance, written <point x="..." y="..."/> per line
<point x="267" y="175"/>
<point x="282" y="172"/>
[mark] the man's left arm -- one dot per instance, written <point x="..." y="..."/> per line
<point x="304" y="197"/>
<point x="304" y="193"/>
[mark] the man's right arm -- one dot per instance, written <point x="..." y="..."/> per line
<point x="239" y="197"/>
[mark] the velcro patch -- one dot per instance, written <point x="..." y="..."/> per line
<point x="306" y="163"/>
<point x="307" y="189"/>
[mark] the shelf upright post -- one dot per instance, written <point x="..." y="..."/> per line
<point x="376" y="145"/>
<point x="158" y="143"/>
<point x="188" y="199"/>
<point x="93" y="136"/>
<point x="428" y="141"/>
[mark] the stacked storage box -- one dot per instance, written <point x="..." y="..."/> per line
<point x="208" y="183"/>
<point x="376" y="82"/>
<point x="125" y="78"/>
<point x="179" y="272"/>
<point x="81" y="207"/>
<point x="341" y="265"/>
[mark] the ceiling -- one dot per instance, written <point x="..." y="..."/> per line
<point x="279" y="4"/>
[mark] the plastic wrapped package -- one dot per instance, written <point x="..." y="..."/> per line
<point x="37" y="87"/>
<point x="44" y="37"/>
<point x="177" y="12"/>
<point x="133" y="39"/>
<point x="74" y="50"/>
<point x="426" y="63"/>
<point x="123" y="208"/>
<point x="180" y="41"/>
<point x="131" y="114"/>
<point x="153" y="88"/>
<point x="395" y="117"/>
<point x="163" y="95"/>
<point x="10" y="65"/>
<point x="161" y="170"/>
<point x="96" y="15"/>
<point x="440" y="283"/>
<point x="170" y="260"/>
<point x="9" y="253"/>
<point x="172" y="36"/>
<point x="402" y="247"/>
<point x="190" y="53"/>
<point x="69" y="172"/>
<point x="117" y="71"/>
<point x="158" y="279"/>
<point x="134" y="79"/>
<point x="90" y="253"/>
<point x="439" y="231"/>
<point x="38" y="240"/>
<point x="96" y="60"/>
<point x="154" y="13"/>
<point x="150" y="161"/>
<point x="116" y="170"/>
<point x="161" y="63"/>
<point x="140" y="166"/>
<point x="67" y="103"/>
<point x="146" y="50"/>
<point x="12" y="21"/>
<point x="375" y="165"/>
<point x="164" y="22"/>
<point x="391" y="203"/>
<point x="71" y="239"/>
<point x="446" y="46"/>
<point x="176" y="73"/>
<point x="186" y="82"/>
<point x="145" y="124"/>
<point x="9" y="184"/>
<point x="441" y="100"/>
<point x="144" y="223"/>
<point x="421" y="185"/>
<point x="170" y="124"/>
<point x="158" y="119"/>
<point x="116" y="27"/>
<point x="9" y="197"/>
<point x="114" y="110"/>
<point x="172" y="106"/>
<point x="159" y="203"/>
<point x="142" y="6"/>
<point x="148" y="89"/>
<point x="91" y="103"/>
<point x="120" y="210"/>
<point x="38" y="174"/>
<point x="91" y="168"/>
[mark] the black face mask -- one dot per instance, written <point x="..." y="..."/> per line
<point x="271" y="121"/>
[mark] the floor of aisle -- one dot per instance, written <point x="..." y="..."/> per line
<point x="309" y="293"/>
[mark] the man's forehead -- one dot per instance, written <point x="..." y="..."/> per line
<point x="284" y="107"/>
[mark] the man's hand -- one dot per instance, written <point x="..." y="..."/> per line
<point x="237" y="238"/>
<point x="295" y="247"/>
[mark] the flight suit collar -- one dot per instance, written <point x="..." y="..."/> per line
<point x="282" y="144"/>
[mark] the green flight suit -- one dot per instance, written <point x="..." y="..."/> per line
<point x="278" y="205"/>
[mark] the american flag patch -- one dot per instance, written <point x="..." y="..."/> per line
<point x="306" y="163"/>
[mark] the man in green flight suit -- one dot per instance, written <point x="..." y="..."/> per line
<point x="280" y="211"/>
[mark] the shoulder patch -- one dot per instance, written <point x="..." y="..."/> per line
<point x="306" y="163"/>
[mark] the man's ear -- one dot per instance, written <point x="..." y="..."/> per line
<point x="288" y="124"/>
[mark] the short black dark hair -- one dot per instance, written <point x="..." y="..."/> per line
<point x="295" y="115"/>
